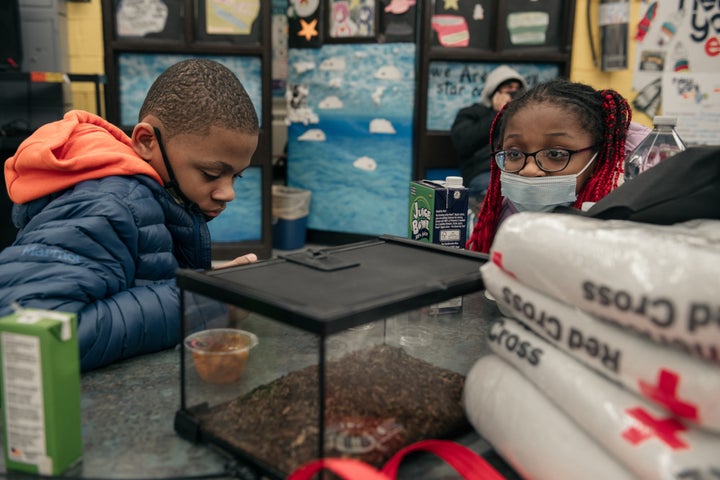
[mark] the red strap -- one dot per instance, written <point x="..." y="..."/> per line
<point x="467" y="463"/>
<point x="346" y="468"/>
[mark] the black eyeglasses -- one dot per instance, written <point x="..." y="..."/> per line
<point x="548" y="160"/>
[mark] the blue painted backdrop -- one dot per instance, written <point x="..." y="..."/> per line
<point x="350" y="114"/>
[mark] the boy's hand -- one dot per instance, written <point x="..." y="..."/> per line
<point x="242" y="260"/>
<point x="500" y="99"/>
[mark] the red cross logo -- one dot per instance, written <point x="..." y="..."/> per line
<point x="665" y="393"/>
<point x="664" y="429"/>
<point x="496" y="258"/>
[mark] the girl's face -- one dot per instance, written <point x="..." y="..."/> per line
<point x="542" y="126"/>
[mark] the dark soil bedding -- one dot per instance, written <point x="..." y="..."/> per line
<point x="377" y="401"/>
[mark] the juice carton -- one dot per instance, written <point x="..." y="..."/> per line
<point x="40" y="387"/>
<point x="438" y="212"/>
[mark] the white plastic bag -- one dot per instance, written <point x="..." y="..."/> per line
<point x="660" y="280"/>
<point x="640" y="435"/>
<point x="682" y="384"/>
<point x="528" y="430"/>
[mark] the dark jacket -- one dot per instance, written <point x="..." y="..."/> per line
<point x="470" y="134"/>
<point x="99" y="236"/>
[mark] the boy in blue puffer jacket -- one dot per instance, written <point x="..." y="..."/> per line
<point x="106" y="219"/>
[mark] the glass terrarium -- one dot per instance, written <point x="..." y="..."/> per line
<point x="334" y="352"/>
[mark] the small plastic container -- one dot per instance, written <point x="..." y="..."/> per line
<point x="220" y="354"/>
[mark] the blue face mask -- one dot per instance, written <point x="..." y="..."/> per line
<point x="540" y="194"/>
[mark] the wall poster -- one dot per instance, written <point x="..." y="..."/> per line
<point x="530" y="23"/>
<point x="151" y="19"/>
<point x="234" y="21"/>
<point x="677" y="69"/>
<point x="230" y="17"/>
<point x="352" y="19"/>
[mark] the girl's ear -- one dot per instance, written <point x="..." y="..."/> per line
<point x="144" y="141"/>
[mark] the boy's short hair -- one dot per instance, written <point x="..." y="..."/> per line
<point x="195" y="94"/>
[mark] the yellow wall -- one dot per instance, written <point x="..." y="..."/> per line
<point x="86" y="52"/>
<point x="85" y="42"/>
<point x="582" y="68"/>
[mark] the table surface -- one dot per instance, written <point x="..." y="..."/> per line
<point x="128" y="411"/>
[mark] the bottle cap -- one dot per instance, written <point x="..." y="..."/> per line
<point x="665" y="120"/>
<point x="453" y="182"/>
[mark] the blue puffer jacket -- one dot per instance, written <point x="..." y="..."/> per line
<point x="105" y="248"/>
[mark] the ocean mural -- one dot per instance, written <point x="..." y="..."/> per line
<point x="350" y="134"/>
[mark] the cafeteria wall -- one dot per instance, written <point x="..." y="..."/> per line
<point x="85" y="42"/>
<point x="86" y="51"/>
<point x="581" y="64"/>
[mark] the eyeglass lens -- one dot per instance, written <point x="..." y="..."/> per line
<point x="550" y="160"/>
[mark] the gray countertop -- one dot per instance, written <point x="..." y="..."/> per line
<point x="128" y="411"/>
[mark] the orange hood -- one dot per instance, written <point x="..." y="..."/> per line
<point x="81" y="146"/>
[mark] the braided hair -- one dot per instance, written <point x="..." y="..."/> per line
<point x="605" y="114"/>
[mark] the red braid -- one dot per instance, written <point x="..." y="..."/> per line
<point x="617" y="115"/>
<point x="489" y="215"/>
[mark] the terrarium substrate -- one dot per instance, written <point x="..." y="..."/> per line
<point x="377" y="401"/>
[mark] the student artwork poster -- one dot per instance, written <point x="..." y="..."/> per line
<point x="677" y="62"/>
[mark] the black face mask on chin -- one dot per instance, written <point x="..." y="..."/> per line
<point x="172" y="186"/>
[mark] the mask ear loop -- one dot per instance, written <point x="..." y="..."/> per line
<point x="592" y="160"/>
<point x="172" y="186"/>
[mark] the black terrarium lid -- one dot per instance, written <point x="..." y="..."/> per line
<point x="330" y="289"/>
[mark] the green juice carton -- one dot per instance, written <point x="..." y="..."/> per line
<point x="40" y="381"/>
<point x="438" y="214"/>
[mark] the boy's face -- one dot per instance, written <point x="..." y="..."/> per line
<point x="206" y="166"/>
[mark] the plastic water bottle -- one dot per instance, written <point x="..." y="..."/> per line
<point x="661" y="143"/>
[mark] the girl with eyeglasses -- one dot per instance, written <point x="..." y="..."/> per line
<point x="561" y="143"/>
